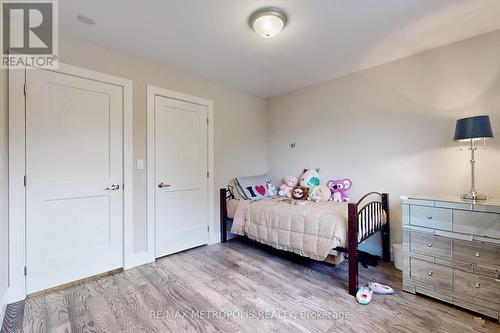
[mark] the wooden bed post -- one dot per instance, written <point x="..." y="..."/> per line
<point x="352" y="247"/>
<point x="223" y="215"/>
<point x="386" y="239"/>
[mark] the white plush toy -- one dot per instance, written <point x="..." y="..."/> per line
<point x="290" y="182"/>
<point x="320" y="193"/>
<point x="310" y="178"/>
<point x="271" y="188"/>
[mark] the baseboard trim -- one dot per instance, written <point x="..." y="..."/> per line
<point x="3" y="306"/>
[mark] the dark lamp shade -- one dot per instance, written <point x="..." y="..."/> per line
<point x="473" y="128"/>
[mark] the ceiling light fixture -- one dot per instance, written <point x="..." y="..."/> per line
<point x="85" y="19"/>
<point x="268" y="22"/>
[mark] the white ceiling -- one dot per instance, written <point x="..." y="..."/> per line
<point x="324" y="39"/>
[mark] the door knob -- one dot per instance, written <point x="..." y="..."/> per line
<point x="113" y="187"/>
<point x="162" y="185"/>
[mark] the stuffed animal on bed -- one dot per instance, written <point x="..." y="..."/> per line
<point x="310" y="178"/>
<point x="290" y="182"/>
<point x="271" y="189"/>
<point x="320" y="193"/>
<point x="300" y="193"/>
<point x="339" y="189"/>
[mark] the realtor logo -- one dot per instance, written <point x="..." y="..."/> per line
<point x="29" y="34"/>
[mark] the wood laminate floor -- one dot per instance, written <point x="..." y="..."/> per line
<point x="236" y="287"/>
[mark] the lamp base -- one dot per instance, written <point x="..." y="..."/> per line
<point x="473" y="196"/>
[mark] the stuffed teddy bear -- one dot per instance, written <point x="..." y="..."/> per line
<point x="310" y="178"/>
<point x="290" y="182"/>
<point x="300" y="193"/>
<point x="320" y="193"/>
<point x="339" y="189"/>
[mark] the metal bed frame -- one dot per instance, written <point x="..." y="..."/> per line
<point x="365" y="218"/>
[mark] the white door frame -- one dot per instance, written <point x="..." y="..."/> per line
<point x="17" y="167"/>
<point x="153" y="91"/>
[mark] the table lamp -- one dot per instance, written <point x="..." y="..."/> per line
<point x="473" y="128"/>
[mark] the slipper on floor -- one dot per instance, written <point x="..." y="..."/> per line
<point x="380" y="289"/>
<point x="364" y="295"/>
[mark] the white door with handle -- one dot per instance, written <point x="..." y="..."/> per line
<point x="180" y="175"/>
<point x="74" y="176"/>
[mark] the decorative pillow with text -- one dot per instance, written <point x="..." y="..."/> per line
<point x="256" y="187"/>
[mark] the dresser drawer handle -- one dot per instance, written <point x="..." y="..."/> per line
<point x="429" y="217"/>
<point x="430" y="273"/>
<point x="477" y="254"/>
<point x="429" y="245"/>
<point x="477" y="285"/>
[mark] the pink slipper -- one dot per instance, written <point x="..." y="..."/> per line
<point x="364" y="295"/>
<point x="381" y="289"/>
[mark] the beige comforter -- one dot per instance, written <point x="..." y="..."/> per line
<point x="311" y="229"/>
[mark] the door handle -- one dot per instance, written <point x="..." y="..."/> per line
<point x="162" y="185"/>
<point x="113" y="187"/>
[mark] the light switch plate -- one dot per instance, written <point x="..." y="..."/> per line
<point x="140" y="164"/>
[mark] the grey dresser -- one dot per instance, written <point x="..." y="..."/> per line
<point x="451" y="251"/>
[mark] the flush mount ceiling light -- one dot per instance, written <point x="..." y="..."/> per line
<point x="85" y="19"/>
<point x="268" y="22"/>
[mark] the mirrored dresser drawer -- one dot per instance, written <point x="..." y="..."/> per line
<point x="451" y="251"/>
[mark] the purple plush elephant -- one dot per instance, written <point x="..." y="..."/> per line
<point x="339" y="189"/>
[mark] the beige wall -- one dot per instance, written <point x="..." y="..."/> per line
<point x="240" y="131"/>
<point x="4" y="252"/>
<point x="390" y="128"/>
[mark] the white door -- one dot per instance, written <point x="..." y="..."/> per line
<point x="73" y="157"/>
<point x="181" y="197"/>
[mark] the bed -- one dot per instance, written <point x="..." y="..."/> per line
<point x="314" y="230"/>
